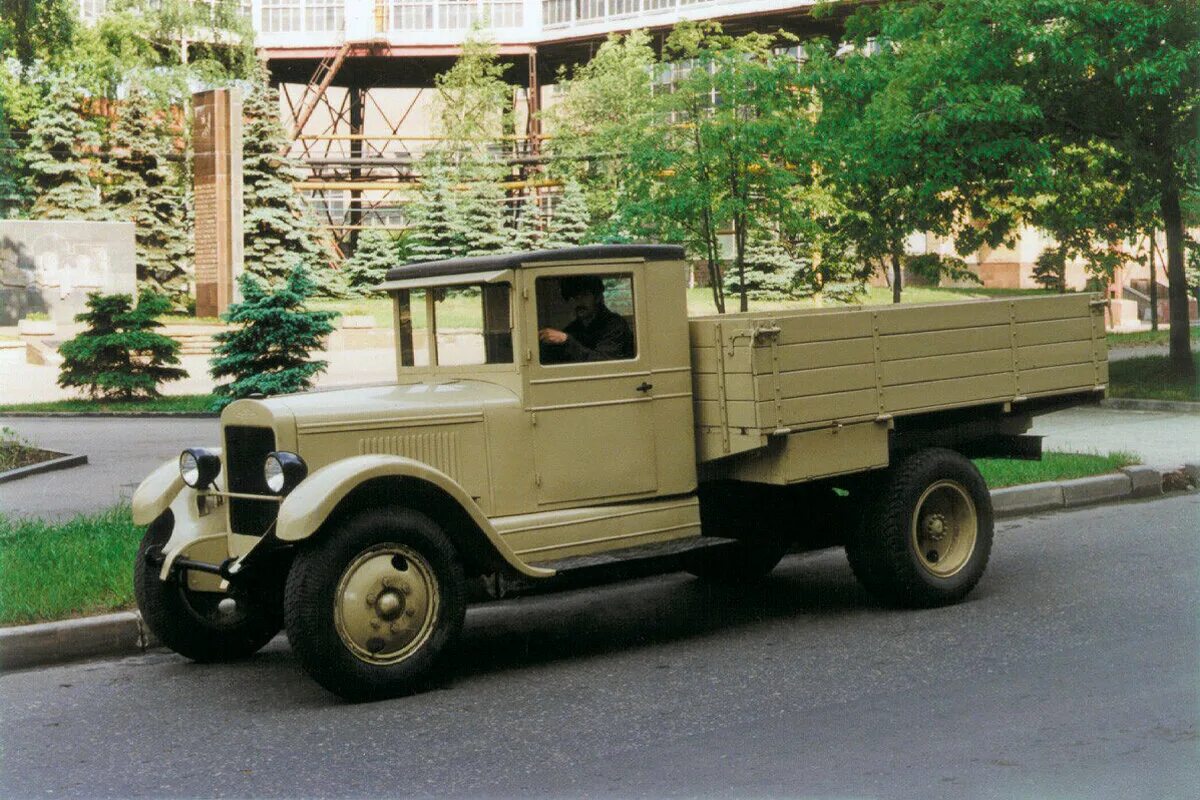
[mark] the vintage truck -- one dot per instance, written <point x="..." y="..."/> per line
<point x="557" y="413"/>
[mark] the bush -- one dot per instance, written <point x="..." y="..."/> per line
<point x="120" y="356"/>
<point x="268" y="353"/>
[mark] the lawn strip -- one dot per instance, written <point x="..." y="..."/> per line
<point x="1152" y="378"/>
<point x="57" y="570"/>
<point x="1054" y="466"/>
<point x="177" y="404"/>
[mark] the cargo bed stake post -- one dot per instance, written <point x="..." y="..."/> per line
<point x="718" y="333"/>
<point x="1016" y="360"/>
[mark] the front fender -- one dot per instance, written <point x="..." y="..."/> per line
<point x="155" y="493"/>
<point x="308" y="506"/>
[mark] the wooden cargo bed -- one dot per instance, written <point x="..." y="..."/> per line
<point x="767" y="374"/>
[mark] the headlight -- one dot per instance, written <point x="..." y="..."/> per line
<point x="283" y="471"/>
<point x="199" y="467"/>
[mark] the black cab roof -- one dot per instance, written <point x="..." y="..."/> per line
<point x="596" y="252"/>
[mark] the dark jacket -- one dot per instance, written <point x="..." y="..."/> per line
<point x="608" y="338"/>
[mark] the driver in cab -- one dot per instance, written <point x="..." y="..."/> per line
<point x="596" y="334"/>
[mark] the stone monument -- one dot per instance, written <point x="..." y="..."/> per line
<point x="217" y="141"/>
<point x="50" y="266"/>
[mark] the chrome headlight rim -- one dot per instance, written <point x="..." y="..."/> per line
<point x="283" y="471"/>
<point x="199" y="467"/>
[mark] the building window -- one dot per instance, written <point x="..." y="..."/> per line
<point x="324" y="15"/>
<point x="282" y="16"/>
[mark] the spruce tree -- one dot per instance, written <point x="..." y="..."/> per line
<point x="12" y="198"/>
<point x="530" y="233"/>
<point x="279" y="231"/>
<point x="771" y="272"/>
<point x="568" y="225"/>
<point x="57" y="156"/>
<point x="268" y="351"/>
<point x="481" y="213"/>
<point x="376" y="253"/>
<point x="434" y="230"/>
<point x="120" y="355"/>
<point x="144" y="191"/>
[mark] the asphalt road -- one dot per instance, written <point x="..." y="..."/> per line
<point x="1070" y="672"/>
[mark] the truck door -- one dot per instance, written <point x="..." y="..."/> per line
<point x="589" y="389"/>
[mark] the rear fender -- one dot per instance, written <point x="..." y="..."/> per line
<point x="318" y="496"/>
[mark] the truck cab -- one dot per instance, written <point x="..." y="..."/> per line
<point x="557" y="413"/>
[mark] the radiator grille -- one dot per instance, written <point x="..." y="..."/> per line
<point x="439" y="450"/>
<point x="245" y="450"/>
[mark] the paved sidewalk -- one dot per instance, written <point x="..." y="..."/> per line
<point x="120" y="451"/>
<point x="1160" y="438"/>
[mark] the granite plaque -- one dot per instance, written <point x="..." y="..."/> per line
<point x="217" y="143"/>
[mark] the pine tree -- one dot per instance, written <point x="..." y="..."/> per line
<point x="119" y="355"/>
<point x="56" y="157"/>
<point x="771" y="272"/>
<point x="278" y="232"/>
<point x="376" y="253"/>
<point x="530" y="234"/>
<point x="568" y="225"/>
<point x="268" y="352"/>
<point x="433" y="217"/>
<point x="144" y="191"/>
<point x="481" y="213"/>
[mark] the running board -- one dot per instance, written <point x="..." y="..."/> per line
<point x="645" y="552"/>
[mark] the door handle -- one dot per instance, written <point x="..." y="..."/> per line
<point x="645" y="387"/>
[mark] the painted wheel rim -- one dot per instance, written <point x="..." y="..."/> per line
<point x="944" y="529"/>
<point x="386" y="604"/>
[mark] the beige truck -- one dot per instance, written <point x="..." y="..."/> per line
<point x="556" y="415"/>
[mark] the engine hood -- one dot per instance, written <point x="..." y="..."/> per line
<point x="364" y="408"/>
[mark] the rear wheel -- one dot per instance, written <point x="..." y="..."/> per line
<point x="927" y="536"/>
<point x="373" y="607"/>
<point x="203" y="626"/>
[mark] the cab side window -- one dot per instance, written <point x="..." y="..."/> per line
<point x="586" y="318"/>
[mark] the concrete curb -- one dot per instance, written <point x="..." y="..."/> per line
<point x="119" y="634"/>
<point x="64" y="461"/>
<point x="114" y="414"/>
<point x="124" y="633"/>
<point x="1133" y="404"/>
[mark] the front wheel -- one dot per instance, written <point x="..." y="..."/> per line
<point x="373" y="607"/>
<point x="203" y="626"/>
<point x="927" y="537"/>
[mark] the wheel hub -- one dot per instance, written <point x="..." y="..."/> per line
<point x="944" y="528"/>
<point x="935" y="527"/>
<point x="386" y="604"/>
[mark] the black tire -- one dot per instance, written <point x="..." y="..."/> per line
<point x="192" y="623"/>
<point x="325" y="627"/>
<point x="924" y="504"/>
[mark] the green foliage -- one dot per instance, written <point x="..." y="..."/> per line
<point x="37" y="29"/>
<point x="600" y="107"/>
<point x="143" y="189"/>
<point x="770" y="271"/>
<point x="1153" y="378"/>
<point x="268" y="352"/>
<point x="376" y="252"/>
<point x="120" y="355"/>
<point x="434" y="229"/>
<point x="1054" y="466"/>
<point x="168" y="404"/>
<point x="474" y="105"/>
<point x="568" y="225"/>
<point x="279" y="233"/>
<point x="60" y="139"/>
<point x="16" y="450"/>
<point x="935" y="268"/>
<point x="699" y="166"/>
<point x="12" y="194"/>
<point x="530" y="233"/>
<point x="480" y="214"/>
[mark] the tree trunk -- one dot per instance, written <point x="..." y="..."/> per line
<point x="714" y="265"/>
<point x="739" y="243"/>
<point x="896" y="278"/>
<point x="1177" y="293"/>
<point x="1153" y="285"/>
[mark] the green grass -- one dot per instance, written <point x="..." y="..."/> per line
<point x="1151" y="378"/>
<point x="999" y="472"/>
<point x="75" y="568"/>
<point x="188" y="403"/>
<point x="700" y="298"/>
<point x="1147" y="338"/>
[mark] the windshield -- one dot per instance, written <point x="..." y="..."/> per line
<point x="466" y="326"/>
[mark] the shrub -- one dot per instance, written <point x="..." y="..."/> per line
<point x="119" y="355"/>
<point x="268" y="353"/>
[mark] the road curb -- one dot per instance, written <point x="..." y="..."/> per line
<point x="125" y="634"/>
<point x="64" y="461"/>
<point x="1133" y="404"/>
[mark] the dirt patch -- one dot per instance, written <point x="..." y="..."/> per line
<point x="17" y="457"/>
